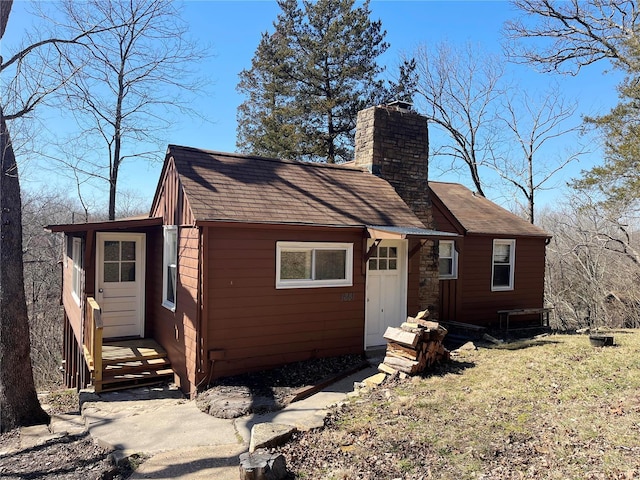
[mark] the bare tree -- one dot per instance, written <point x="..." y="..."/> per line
<point x="21" y="92"/>
<point x="18" y="400"/>
<point x="535" y="124"/>
<point x="577" y="32"/>
<point x="133" y="77"/>
<point x="42" y="253"/>
<point x="457" y="91"/>
<point x="592" y="264"/>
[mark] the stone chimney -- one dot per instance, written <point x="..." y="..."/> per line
<point x="392" y="141"/>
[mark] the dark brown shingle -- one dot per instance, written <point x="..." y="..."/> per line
<point x="232" y="187"/>
<point x="476" y="214"/>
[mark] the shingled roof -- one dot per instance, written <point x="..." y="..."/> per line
<point x="478" y="215"/>
<point x="242" y="188"/>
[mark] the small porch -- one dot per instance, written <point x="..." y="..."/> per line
<point x="120" y="364"/>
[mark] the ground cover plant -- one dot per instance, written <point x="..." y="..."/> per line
<point x="554" y="407"/>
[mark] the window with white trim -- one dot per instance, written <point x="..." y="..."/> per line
<point x="503" y="265"/>
<point x="312" y="264"/>
<point x="170" y="266"/>
<point x="448" y="259"/>
<point x="76" y="274"/>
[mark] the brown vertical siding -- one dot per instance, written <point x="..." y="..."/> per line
<point x="479" y="304"/>
<point x="72" y="309"/>
<point x="175" y="331"/>
<point x="448" y="299"/>
<point x="258" y="326"/>
<point x="170" y="202"/>
<point x="450" y="289"/>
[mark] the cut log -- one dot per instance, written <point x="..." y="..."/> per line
<point x="387" y="369"/>
<point x="429" y="324"/>
<point x="409" y="326"/>
<point x="423" y="314"/>
<point x="262" y="465"/>
<point x="402" y="364"/>
<point x="402" y="351"/>
<point x="400" y="336"/>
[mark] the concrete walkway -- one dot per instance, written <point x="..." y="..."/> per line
<point x="183" y="442"/>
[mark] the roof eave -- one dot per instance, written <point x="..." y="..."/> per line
<point x="124" y="224"/>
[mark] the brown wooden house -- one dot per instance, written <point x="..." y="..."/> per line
<point x="497" y="264"/>
<point x="245" y="262"/>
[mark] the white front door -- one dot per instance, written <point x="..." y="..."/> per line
<point x="386" y="290"/>
<point x="120" y="283"/>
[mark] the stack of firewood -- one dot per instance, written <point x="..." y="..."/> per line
<point x="415" y="346"/>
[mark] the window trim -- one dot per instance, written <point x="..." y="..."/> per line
<point x="78" y="270"/>
<point x="454" y="261"/>
<point x="168" y="230"/>
<point x="512" y="264"/>
<point x="314" y="246"/>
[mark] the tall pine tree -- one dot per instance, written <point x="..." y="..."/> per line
<point x="308" y="80"/>
<point x="618" y="178"/>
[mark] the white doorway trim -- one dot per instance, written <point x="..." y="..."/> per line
<point x="122" y="302"/>
<point x="391" y="308"/>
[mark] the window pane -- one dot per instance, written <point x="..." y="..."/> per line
<point x="446" y="266"/>
<point x="173" y="247"/>
<point x="112" y="272"/>
<point x="393" y="264"/>
<point x="373" y="264"/>
<point x="446" y="249"/>
<point x="393" y="252"/>
<point x="128" y="251"/>
<point x="382" y="264"/>
<point x="295" y="265"/>
<point x="111" y="251"/>
<point x="171" y="284"/>
<point x="330" y="264"/>
<point x="501" y="275"/>
<point x="128" y="272"/>
<point x="501" y="253"/>
<point x="384" y="252"/>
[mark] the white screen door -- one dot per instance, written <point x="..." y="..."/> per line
<point x="120" y="283"/>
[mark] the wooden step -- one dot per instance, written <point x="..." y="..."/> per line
<point x="133" y="363"/>
<point x="133" y="380"/>
<point x="135" y="366"/>
<point x="117" y="352"/>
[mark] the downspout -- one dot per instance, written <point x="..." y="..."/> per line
<point x="201" y="335"/>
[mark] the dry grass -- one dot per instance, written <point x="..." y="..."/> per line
<point x="553" y="408"/>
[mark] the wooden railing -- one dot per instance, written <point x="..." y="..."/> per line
<point x="92" y="341"/>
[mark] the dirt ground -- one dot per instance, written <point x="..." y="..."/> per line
<point x="73" y="457"/>
<point x="79" y="458"/>
<point x="271" y="390"/>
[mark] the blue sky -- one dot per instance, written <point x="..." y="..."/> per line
<point x="233" y="28"/>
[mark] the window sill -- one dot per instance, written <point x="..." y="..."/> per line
<point x="502" y="289"/>
<point x="169" y="306"/>
<point x="284" y="286"/>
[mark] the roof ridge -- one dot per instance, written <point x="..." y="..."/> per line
<point x="268" y="159"/>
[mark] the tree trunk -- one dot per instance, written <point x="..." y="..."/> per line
<point x="19" y="404"/>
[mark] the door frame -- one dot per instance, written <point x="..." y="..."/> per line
<point x="141" y="239"/>
<point x="403" y="264"/>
